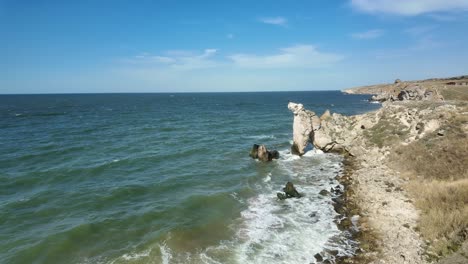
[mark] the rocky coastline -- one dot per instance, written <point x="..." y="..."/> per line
<point x="376" y="191"/>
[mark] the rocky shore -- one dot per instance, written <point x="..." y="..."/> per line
<point x="395" y="223"/>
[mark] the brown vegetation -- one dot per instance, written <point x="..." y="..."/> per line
<point x="437" y="168"/>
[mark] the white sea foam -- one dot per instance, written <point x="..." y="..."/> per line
<point x="262" y="137"/>
<point x="166" y="254"/>
<point x="275" y="231"/>
<point x="267" y="178"/>
<point x="237" y="198"/>
<point x="135" y="256"/>
<point x="313" y="152"/>
<point x="279" y="231"/>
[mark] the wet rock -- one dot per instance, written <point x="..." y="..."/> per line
<point x="261" y="152"/>
<point x="281" y="196"/>
<point x="254" y="151"/>
<point x="318" y="257"/>
<point x="295" y="150"/>
<point x="289" y="192"/>
<point x="324" y="192"/>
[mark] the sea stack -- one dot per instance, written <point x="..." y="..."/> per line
<point x="304" y="125"/>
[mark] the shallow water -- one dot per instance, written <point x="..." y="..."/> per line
<point x="161" y="178"/>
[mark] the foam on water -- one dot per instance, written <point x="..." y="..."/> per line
<point x="275" y="231"/>
<point x="135" y="256"/>
<point x="280" y="231"/>
<point x="166" y="254"/>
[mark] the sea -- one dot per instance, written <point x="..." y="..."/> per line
<point x="164" y="178"/>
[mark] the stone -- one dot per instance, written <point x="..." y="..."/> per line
<point x="304" y="124"/>
<point x="289" y="192"/>
<point x="281" y="196"/>
<point x="254" y="151"/>
<point x="318" y="257"/>
<point x="261" y="152"/>
<point x="274" y="154"/>
<point x="397" y="81"/>
<point x="325" y="115"/>
<point x="416" y="93"/>
<point x="324" y="192"/>
<point x="380" y="97"/>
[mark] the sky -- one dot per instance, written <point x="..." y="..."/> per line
<point x="173" y="46"/>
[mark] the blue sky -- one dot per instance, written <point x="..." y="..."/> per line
<point x="189" y="46"/>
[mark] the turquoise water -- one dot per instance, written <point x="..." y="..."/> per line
<point x="161" y="178"/>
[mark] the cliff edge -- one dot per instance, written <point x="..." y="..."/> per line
<point x="408" y="176"/>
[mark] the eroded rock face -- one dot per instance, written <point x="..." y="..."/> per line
<point x="304" y="125"/>
<point x="261" y="152"/>
<point x="329" y="133"/>
<point x="411" y="92"/>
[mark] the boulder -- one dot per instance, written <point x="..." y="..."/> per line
<point x="289" y="192"/>
<point x="254" y="151"/>
<point x="381" y="97"/>
<point x="416" y="93"/>
<point x="397" y="81"/>
<point x="304" y="124"/>
<point x="261" y="152"/>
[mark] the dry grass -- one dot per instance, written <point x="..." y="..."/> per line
<point x="444" y="213"/>
<point x="455" y="93"/>
<point x="387" y="132"/>
<point x="438" y="170"/>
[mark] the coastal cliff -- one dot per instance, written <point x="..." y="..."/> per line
<point x="407" y="170"/>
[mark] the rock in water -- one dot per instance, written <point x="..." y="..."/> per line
<point x="254" y="151"/>
<point x="304" y="125"/>
<point x="274" y="154"/>
<point x="261" y="152"/>
<point x="281" y="196"/>
<point x="290" y="191"/>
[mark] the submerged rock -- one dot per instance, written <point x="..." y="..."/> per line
<point x="289" y="192"/>
<point x="261" y="152"/>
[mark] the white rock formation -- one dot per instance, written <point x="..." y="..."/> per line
<point x="304" y="125"/>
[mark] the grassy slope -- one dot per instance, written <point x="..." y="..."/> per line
<point x="437" y="168"/>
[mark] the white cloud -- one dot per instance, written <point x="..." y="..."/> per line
<point x="409" y="7"/>
<point x="419" y="30"/>
<point x="299" y="56"/>
<point x="279" y="21"/>
<point x="179" y="60"/>
<point x="370" y="34"/>
<point x="444" y="18"/>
